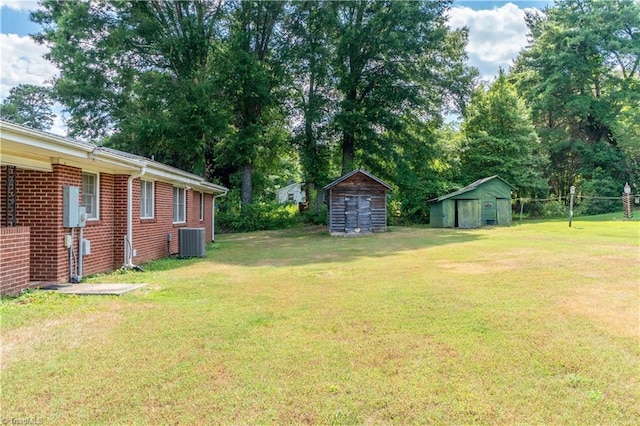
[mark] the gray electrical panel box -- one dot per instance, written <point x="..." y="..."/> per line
<point x="73" y="215"/>
<point x="86" y="247"/>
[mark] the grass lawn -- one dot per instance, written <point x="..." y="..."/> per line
<point x="534" y="324"/>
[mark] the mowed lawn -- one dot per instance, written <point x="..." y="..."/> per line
<point x="532" y="324"/>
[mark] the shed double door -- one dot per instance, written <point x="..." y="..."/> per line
<point x="357" y="213"/>
<point x="467" y="213"/>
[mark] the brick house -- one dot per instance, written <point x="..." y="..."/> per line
<point x="134" y="208"/>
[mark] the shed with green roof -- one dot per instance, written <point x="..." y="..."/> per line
<point x="485" y="202"/>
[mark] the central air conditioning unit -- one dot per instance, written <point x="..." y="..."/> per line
<point x="191" y="242"/>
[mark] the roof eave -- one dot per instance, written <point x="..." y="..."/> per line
<point x="353" y="172"/>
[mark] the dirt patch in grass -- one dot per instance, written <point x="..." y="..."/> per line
<point x="613" y="308"/>
<point x="29" y="343"/>
<point x="482" y="267"/>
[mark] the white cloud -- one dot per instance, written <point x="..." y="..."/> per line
<point x="496" y="36"/>
<point x="19" y="4"/>
<point x="21" y="62"/>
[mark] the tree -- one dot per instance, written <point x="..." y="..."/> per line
<point x="499" y="139"/>
<point x="579" y="74"/>
<point x="194" y="83"/>
<point x="173" y="112"/>
<point x="29" y="105"/>
<point x="228" y="89"/>
<point x="308" y="51"/>
<point x="251" y="79"/>
<point x="137" y="74"/>
<point x="393" y="60"/>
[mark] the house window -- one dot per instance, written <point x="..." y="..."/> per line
<point x="90" y="194"/>
<point x="179" y="205"/>
<point x="146" y="199"/>
<point x="201" y="206"/>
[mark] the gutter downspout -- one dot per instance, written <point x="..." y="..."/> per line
<point x="213" y="215"/>
<point x="128" y="248"/>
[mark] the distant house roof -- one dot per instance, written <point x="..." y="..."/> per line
<point x="469" y="188"/>
<point x="290" y="186"/>
<point x="348" y="175"/>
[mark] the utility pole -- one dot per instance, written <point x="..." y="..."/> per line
<point x="572" y="191"/>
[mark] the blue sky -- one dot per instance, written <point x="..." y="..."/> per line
<point x="16" y="22"/>
<point x="481" y="4"/>
<point x="497" y="33"/>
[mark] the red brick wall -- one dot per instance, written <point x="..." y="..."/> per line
<point x="100" y="233"/>
<point x="14" y="262"/>
<point x="120" y="218"/>
<point x="150" y="235"/>
<point x="39" y="207"/>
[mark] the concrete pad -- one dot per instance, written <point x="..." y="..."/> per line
<point x="97" y="289"/>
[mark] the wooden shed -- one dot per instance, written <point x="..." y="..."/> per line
<point x="357" y="203"/>
<point x="485" y="202"/>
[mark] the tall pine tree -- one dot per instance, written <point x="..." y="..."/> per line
<point x="499" y="139"/>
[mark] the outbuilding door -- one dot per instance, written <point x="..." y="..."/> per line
<point x="503" y="211"/>
<point x="467" y="213"/>
<point x="357" y="213"/>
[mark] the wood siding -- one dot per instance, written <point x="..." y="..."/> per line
<point x="357" y="205"/>
<point x="486" y="205"/>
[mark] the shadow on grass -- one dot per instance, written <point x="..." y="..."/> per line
<point x="314" y="245"/>
<point x="303" y="246"/>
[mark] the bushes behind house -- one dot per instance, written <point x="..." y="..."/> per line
<point x="262" y="216"/>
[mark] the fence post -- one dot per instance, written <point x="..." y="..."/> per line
<point x="626" y="201"/>
<point x="572" y="190"/>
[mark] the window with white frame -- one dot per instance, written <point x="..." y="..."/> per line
<point x="179" y="205"/>
<point x="146" y="199"/>
<point x="90" y="194"/>
<point x="201" y="206"/>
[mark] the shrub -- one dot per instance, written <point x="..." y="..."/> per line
<point x="555" y="208"/>
<point x="312" y="218"/>
<point x="259" y="216"/>
<point x="596" y="192"/>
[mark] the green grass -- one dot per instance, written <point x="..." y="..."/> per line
<point x="535" y="324"/>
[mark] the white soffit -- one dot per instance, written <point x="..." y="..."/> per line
<point x="24" y="162"/>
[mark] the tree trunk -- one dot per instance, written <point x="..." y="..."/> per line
<point x="247" y="189"/>
<point x="347" y="153"/>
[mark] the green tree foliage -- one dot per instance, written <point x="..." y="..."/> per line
<point x="308" y="51"/>
<point x="234" y="90"/>
<point x="251" y="78"/>
<point x="136" y="71"/>
<point x="580" y="74"/>
<point x="499" y="139"/>
<point x="393" y="65"/>
<point x="29" y="105"/>
<point x="193" y="83"/>
<point x="91" y="86"/>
